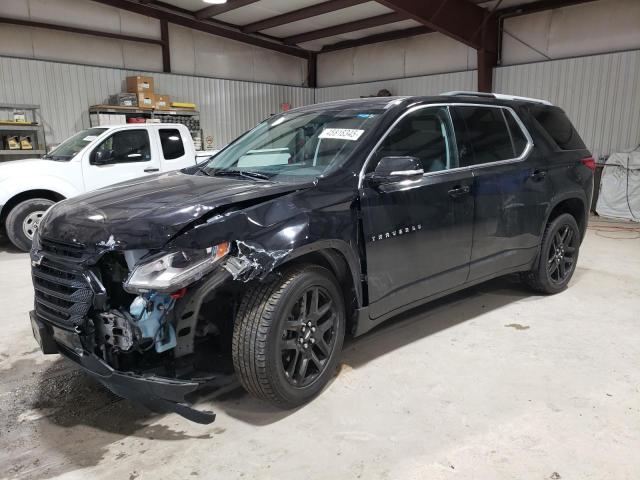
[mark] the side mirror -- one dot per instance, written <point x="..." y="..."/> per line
<point x="102" y="157"/>
<point x="395" y="169"/>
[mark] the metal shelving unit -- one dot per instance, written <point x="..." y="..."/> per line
<point x="8" y="128"/>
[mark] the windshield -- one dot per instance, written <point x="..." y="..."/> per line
<point x="72" y="145"/>
<point x="295" y="147"/>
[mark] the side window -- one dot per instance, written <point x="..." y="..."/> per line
<point x="172" y="144"/>
<point x="425" y="135"/>
<point x="123" y="147"/>
<point x="555" y="122"/>
<point x="517" y="135"/>
<point x="486" y="134"/>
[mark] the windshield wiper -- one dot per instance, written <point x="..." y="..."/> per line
<point x="240" y="173"/>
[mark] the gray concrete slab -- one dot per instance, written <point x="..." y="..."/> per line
<point x="491" y="383"/>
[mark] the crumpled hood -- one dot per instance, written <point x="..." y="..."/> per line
<point x="147" y="212"/>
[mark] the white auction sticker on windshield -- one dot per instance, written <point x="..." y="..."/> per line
<point x="90" y="138"/>
<point x="352" y="134"/>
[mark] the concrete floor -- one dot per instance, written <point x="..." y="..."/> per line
<point x="490" y="383"/>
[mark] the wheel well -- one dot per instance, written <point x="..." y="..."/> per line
<point x="335" y="262"/>
<point x="574" y="207"/>
<point x="21" y="197"/>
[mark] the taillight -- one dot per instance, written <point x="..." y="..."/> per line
<point x="590" y="163"/>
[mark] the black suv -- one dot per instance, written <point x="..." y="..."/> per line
<point x="322" y="220"/>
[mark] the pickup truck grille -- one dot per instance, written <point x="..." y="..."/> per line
<point x="62" y="294"/>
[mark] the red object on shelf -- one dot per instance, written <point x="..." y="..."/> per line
<point x="136" y="120"/>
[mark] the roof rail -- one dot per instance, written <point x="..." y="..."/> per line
<point x="499" y="96"/>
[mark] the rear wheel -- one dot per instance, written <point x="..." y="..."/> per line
<point x="558" y="256"/>
<point x="288" y="336"/>
<point x="23" y="220"/>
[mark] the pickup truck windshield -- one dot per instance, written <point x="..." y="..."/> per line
<point x="72" y="145"/>
<point x="295" y="147"/>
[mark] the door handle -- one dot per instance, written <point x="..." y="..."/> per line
<point x="539" y="174"/>
<point x="151" y="170"/>
<point x="459" y="191"/>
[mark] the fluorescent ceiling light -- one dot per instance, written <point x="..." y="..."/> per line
<point x="215" y="2"/>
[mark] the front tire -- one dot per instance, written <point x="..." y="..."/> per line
<point x="558" y="256"/>
<point x="288" y="336"/>
<point x="23" y="220"/>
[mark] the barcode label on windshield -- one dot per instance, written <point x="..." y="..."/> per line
<point x="352" y="134"/>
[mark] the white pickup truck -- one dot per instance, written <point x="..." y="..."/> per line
<point x="91" y="159"/>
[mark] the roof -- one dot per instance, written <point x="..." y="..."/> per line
<point x="138" y="125"/>
<point x="447" y="97"/>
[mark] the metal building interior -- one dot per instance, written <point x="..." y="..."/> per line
<point x="488" y="382"/>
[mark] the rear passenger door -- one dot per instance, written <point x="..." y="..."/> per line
<point x="510" y="187"/>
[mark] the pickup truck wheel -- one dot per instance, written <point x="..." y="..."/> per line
<point x="23" y="220"/>
<point x="288" y="336"/>
<point x="558" y="256"/>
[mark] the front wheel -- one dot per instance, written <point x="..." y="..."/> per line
<point x="288" y="336"/>
<point x="23" y="220"/>
<point x="558" y="256"/>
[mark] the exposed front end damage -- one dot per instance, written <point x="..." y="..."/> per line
<point x="153" y="347"/>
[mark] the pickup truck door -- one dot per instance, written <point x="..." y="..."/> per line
<point x="175" y="149"/>
<point x="123" y="155"/>
<point x="417" y="232"/>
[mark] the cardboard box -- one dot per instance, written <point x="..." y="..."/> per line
<point x="104" y="119"/>
<point x="163" y="102"/>
<point x="13" y="143"/>
<point x="140" y="84"/>
<point x="25" y="143"/>
<point x="146" y="100"/>
<point x="117" y="119"/>
<point x="124" y="99"/>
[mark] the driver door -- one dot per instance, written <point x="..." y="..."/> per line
<point x="418" y="233"/>
<point x="124" y="155"/>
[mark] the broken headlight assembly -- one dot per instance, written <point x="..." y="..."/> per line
<point x="168" y="272"/>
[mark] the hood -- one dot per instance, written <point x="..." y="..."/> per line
<point x="39" y="165"/>
<point x="148" y="212"/>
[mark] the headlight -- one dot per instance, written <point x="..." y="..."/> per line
<point x="172" y="271"/>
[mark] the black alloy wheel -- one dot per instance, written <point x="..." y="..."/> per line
<point x="309" y="337"/>
<point x="288" y="335"/>
<point x="560" y="257"/>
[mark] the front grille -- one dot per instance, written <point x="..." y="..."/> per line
<point x="62" y="249"/>
<point x="62" y="294"/>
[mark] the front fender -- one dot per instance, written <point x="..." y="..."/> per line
<point x="11" y="188"/>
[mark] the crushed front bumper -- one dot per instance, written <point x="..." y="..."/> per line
<point x="157" y="393"/>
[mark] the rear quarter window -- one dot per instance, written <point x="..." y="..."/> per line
<point x="558" y="126"/>
<point x="172" y="144"/>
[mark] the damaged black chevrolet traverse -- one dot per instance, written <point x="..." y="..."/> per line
<point x="320" y="221"/>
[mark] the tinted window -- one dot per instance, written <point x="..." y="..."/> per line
<point x="424" y="135"/>
<point x="554" y="121"/>
<point x="486" y="133"/>
<point x="517" y="135"/>
<point x="172" y="144"/>
<point x="126" y="146"/>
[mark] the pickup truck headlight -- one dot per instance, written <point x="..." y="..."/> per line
<point x="172" y="271"/>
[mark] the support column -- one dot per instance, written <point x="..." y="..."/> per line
<point x="166" y="51"/>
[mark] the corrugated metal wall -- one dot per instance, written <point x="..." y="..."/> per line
<point x="600" y="93"/>
<point x="424" y="85"/>
<point x="64" y="93"/>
